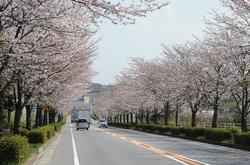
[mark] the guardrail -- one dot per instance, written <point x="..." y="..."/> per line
<point x="209" y="124"/>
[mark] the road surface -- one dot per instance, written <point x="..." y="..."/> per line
<point x="114" y="146"/>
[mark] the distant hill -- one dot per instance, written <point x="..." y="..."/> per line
<point x="98" y="88"/>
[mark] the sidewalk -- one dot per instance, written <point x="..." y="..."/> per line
<point x="45" y="153"/>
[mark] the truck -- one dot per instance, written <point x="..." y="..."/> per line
<point x="81" y="113"/>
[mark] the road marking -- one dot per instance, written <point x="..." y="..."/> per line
<point x="171" y="155"/>
<point x="76" y="160"/>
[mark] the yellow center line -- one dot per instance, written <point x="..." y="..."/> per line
<point x="181" y="159"/>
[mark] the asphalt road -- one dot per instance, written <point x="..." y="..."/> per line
<point x="115" y="146"/>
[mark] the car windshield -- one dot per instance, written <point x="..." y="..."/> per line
<point x="102" y="120"/>
<point x="82" y="120"/>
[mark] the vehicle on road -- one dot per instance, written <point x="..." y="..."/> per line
<point x="82" y="124"/>
<point x="103" y="123"/>
<point x="80" y="113"/>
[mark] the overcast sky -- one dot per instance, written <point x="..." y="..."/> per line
<point x="173" y="24"/>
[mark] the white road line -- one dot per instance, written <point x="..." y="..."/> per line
<point x="179" y="161"/>
<point x="193" y="160"/>
<point x="76" y="160"/>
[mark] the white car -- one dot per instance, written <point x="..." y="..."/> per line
<point x="82" y="124"/>
<point x="103" y="123"/>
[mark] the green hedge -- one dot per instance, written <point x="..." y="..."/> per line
<point x="242" y="138"/>
<point x="24" y="132"/>
<point x="121" y="125"/>
<point x="57" y="126"/>
<point x="195" y="131"/>
<point x="218" y="134"/>
<point x="42" y="134"/>
<point x="164" y="129"/>
<point x="178" y="130"/>
<point x="37" y="136"/>
<point x="14" y="150"/>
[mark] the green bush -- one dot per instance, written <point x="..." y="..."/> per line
<point x="49" y="130"/>
<point x="194" y="132"/>
<point x="121" y="125"/>
<point x="14" y="150"/>
<point x="164" y="129"/>
<point x="37" y="136"/>
<point x="57" y="127"/>
<point x="234" y="130"/>
<point x="24" y="132"/>
<point x="242" y="138"/>
<point x="177" y="130"/>
<point x="42" y="134"/>
<point x="148" y="127"/>
<point x="218" y="134"/>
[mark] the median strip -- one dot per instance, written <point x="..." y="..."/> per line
<point x="176" y="157"/>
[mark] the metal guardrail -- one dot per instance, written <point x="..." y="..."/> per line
<point x="209" y="124"/>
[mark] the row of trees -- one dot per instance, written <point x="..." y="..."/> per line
<point x="46" y="49"/>
<point x="202" y="73"/>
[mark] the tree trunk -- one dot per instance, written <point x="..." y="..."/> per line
<point x="141" y="117"/>
<point x="28" y="117"/>
<point x="193" y="121"/>
<point x="156" y="116"/>
<point x="127" y="117"/>
<point x="19" y="108"/>
<point x="39" y="116"/>
<point x="136" y="119"/>
<point x="131" y="118"/>
<point x="52" y="117"/>
<point x="124" y="118"/>
<point x="147" y="117"/>
<point x="1" y="115"/>
<point x="177" y="113"/>
<point x="45" y="117"/>
<point x="215" y="109"/>
<point x="243" y="123"/>
<point x="9" y="119"/>
<point x="166" y="112"/>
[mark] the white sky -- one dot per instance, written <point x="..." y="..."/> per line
<point x="173" y="24"/>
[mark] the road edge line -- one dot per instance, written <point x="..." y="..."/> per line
<point x="76" y="160"/>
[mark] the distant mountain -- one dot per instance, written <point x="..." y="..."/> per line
<point x="98" y="88"/>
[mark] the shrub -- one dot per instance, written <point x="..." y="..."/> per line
<point x="242" y="138"/>
<point x="151" y="128"/>
<point x="50" y="131"/>
<point x="57" y="126"/>
<point x="37" y="136"/>
<point x="24" y="132"/>
<point x="218" y="134"/>
<point x="164" y="129"/>
<point x="177" y="130"/>
<point x="195" y="132"/>
<point x="234" y="130"/>
<point x="14" y="150"/>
